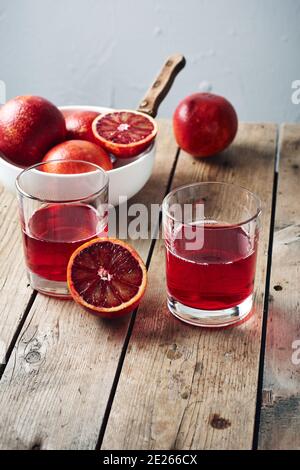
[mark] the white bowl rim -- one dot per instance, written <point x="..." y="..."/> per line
<point x="99" y="109"/>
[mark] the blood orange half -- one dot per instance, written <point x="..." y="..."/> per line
<point x="124" y="133"/>
<point x="107" y="277"/>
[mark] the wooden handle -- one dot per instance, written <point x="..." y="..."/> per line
<point x="161" y="85"/>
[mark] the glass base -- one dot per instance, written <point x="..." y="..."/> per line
<point x="47" y="287"/>
<point x="210" y="318"/>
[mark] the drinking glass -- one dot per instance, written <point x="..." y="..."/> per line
<point x="211" y="233"/>
<point x="59" y="211"/>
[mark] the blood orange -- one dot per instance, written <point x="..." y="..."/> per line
<point x="76" y="150"/>
<point x="107" y="277"/>
<point x="79" y="124"/>
<point x="124" y="133"/>
<point x="204" y="124"/>
<point x="29" y="127"/>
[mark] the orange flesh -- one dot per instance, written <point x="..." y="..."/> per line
<point x="124" y="127"/>
<point x="106" y="274"/>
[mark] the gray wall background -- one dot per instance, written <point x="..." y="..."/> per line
<point x="106" y="52"/>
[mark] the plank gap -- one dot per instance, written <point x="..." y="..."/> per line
<point x="279" y="420"/>
<point x="17" y="333"/>
<point x="259" y="399"/>
<point x="133" y="317"/>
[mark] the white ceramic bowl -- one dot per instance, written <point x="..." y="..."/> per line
<point x="125" y="180"/>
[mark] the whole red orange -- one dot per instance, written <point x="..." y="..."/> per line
<point x="204" y="124"/>
<point x="29" y="127"/>
<point x="79" y="124"/>
<point x="76" y="150"/>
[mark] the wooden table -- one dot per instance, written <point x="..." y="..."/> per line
<point x="72" y="381"/>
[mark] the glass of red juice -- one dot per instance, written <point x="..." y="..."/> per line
<point x="62" y="205"/>
<point x="211" y="233"/>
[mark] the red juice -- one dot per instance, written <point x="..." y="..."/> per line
<point x="217" y="276"/>
<point x="54" y="232"/>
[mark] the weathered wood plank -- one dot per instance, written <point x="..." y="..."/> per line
<point x="54" y="391"/>
<point x="280" y="414"/>
<point x="183" y="387"/>
<point x="14" y="290"/>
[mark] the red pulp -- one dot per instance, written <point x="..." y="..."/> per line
<point x="217" y="276"/>
<point x="54" y="232"/>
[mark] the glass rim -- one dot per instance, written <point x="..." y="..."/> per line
<point x="59" y="175"/>
<point x="223" y="183"/>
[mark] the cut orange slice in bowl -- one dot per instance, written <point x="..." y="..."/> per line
<point x="124" y="133"/>
<point x="107" y="277"/>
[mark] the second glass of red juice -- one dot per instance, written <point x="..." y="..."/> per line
<point x="62" y="205"/>
<point x="211" y="234"/>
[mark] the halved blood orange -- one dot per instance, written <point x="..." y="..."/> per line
<point x="124" y="133"/>
<point x="107" y="277"/>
